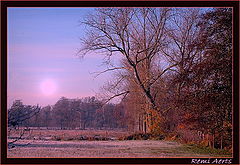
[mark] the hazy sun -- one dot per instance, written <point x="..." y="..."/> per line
<point x="48" y="87"/>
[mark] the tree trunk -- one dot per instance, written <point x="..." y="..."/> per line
<point x="145" y="127"/>
<point x="213" y="141"/>
<point x="139" y="123"/>
<point x="221" y="142"/>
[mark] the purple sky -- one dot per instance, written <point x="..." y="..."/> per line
<point x="42" y="46"/>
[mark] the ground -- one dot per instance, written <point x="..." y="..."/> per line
<point x="43" y="144"/>
<point x="84" y="149"/>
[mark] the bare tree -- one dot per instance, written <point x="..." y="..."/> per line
<point x="183" y="34"/>
<point x="135" y="34"/>
<point x="17" y="114"/>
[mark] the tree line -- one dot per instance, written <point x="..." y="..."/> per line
<point x="68" y="114"/>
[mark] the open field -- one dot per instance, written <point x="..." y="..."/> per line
<point x="35" y="134"/>
<point x="136" y="148"/>
<point x="41" y="144"/>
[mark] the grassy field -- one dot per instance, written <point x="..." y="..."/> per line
<point x="68" y="144"/>
<point x="68" y="134"/>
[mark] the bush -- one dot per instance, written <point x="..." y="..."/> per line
<point x="141" y="136"/>
<point x="188" y="136"/>
<point x="58" y="138"/>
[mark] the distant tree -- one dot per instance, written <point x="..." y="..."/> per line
<point x="99" y="118"/>
<point x="119" y="116"/>
<point x="60" y="110"/>
<point x="67" y="113"/>
<point x="18" y="113"/>
<point x="88" y="109"/>
<point x="110" y="116"/>
<point x="47" y="116"/>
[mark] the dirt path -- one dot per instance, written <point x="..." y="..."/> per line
<point x="86" y="149"/>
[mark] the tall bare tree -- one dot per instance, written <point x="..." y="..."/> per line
<point x="137" y="35"/>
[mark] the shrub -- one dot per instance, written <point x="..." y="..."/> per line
<point x="141" y="136"/>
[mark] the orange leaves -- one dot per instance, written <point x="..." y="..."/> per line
<point x="181" y="126"/>
<point x="154" y="122"/>
<point x="187" y="116"/>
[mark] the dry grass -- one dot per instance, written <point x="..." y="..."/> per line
<point x="65" y="144"/>
<point x="107" y="149"/>
<point x="68" y="134"/>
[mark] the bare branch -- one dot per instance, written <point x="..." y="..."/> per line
<point x="107" y="70"/>
<point x="165" y="70"/>
<point x="117" y="95"/>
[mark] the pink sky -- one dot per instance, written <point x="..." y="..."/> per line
<point x="42" y="45"/>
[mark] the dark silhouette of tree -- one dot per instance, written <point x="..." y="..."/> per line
<point x="17" y="114"/>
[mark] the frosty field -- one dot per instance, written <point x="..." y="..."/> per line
<point x="67" y="144"/>
<point x="85" y="149"/>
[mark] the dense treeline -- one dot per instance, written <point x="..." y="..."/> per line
<point x="72" y="114"/>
